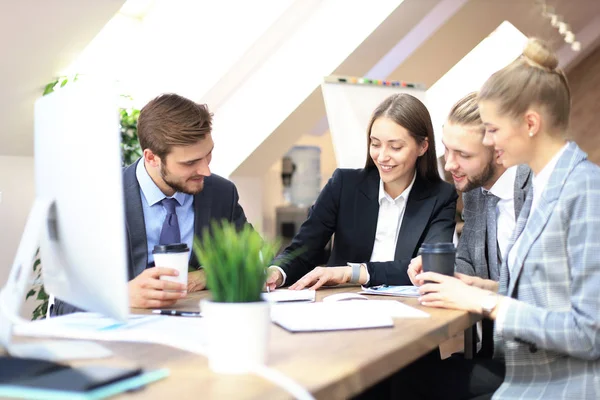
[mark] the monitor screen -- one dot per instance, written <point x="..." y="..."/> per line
<point x="77" y="158"/>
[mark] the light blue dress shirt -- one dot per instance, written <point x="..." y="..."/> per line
<point x="155" y="213"/>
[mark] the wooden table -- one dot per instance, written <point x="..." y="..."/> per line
<point x="331" y="365"/>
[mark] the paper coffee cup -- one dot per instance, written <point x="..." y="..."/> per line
<point x="174" y="256"/>
<point x="438" y="257"/>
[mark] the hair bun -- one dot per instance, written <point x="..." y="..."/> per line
<point x="539" y="54"/>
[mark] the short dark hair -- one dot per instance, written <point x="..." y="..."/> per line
<point x="411" y="114"/>
<point x="172" y="120"/>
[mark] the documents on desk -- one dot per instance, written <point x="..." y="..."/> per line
<point x="399" y="291"/>
<point x="180" y="332"/>
<point x="313" y="317"/>
<point x="286" y="295"/>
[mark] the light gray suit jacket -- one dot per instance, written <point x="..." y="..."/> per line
<point x="472" y="253"/>
<point x="550" y="335"/>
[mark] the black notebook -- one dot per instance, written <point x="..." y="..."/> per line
<point x="32" y="378"/>
<point x="13" y="368"/>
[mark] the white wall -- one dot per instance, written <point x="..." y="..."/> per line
<point x="17" y="188"/>
<point x="251" y="191"/>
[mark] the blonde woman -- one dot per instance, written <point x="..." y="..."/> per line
<point x="546" y="306"/>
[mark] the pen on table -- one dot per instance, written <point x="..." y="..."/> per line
<point x="178" y="313"/>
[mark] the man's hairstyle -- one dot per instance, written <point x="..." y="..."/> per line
<point x="172" y="120"/>
<point x="466" y="113"/>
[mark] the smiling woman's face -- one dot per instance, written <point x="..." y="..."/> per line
<point x="394" y="151"/>
<point x="509" y="138"/>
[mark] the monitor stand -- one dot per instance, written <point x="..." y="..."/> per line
<point x="12" y="296"/>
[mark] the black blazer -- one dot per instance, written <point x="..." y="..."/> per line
<point x="218" y="200"/>
<point x="348" y="206"/>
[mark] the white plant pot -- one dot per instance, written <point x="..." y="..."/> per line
<point x="237" y="335"/>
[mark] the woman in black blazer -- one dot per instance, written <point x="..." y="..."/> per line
<point x="362" y="208"/>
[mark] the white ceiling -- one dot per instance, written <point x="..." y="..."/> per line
<point x="38" y="39"/>
<point x="460" y="26"/>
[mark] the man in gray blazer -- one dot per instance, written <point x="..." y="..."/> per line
<point x="492" y="200"/>
<point x="473" y="254"/>
<point x="170" y="196"/>
<point x="492" y="195"/>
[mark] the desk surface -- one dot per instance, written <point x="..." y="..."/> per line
<point x="332" y="365"/>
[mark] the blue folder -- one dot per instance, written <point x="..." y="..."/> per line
<point x="130" y="384"/>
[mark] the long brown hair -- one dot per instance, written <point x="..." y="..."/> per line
<point x="411" y="114"/>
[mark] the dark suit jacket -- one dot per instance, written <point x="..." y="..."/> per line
<point x="218" y="200"/>
<point x="472" y="251"/>
<point x="348" y="206"/>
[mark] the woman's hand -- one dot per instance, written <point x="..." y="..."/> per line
<point x="448" y="292"/>
<point x="486" y="284"/>
<point x="320" y="276"/>
<point x="415" y="268"/>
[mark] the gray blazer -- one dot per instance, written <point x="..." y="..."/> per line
<point x="218" y="200"/>
<point x="472" y="252"/>
<point x="550" y="335"/>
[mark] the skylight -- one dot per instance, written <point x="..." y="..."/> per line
<point x="183" y="46"/>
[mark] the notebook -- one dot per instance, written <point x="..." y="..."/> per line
<point x="38" y="379"/>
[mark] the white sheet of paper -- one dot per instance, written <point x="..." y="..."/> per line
<point x="180" y="332"/>
<point x="286" y="295"/>
<point x="60" y="350"/>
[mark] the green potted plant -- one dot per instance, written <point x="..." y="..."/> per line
<point x="238" y="320"/>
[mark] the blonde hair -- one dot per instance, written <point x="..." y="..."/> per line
<point x="466" y="113"/>
<point x="532" y="79"/>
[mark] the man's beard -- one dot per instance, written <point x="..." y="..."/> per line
<point x="177" y="186"/>
<point x="480" y="180"/>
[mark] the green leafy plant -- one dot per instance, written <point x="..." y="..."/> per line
<point x="37" y="290"/>
<point x="235" y="261"/>
<point x="130" y="144"/>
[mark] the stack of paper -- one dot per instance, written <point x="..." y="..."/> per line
<point x="184" y="333"/>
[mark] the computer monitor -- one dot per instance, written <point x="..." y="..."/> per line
<point x="78" y="218"/>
